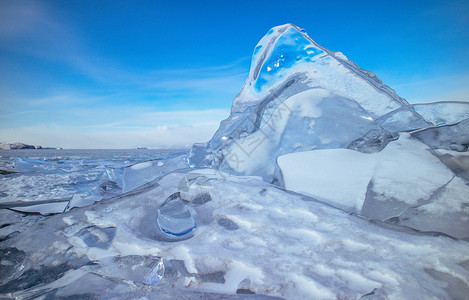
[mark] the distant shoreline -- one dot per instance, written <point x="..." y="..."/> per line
<point x="99" y="149"/>
<point x="22" y="146"/>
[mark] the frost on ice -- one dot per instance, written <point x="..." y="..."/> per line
<point x="322" y="183"/>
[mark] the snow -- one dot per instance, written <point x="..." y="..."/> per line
<point x="338" y="176"/>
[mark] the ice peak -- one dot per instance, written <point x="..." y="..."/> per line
<point x="289" y="73"/>
<point x="287" y="53"/>
<point x="281" y="48"/>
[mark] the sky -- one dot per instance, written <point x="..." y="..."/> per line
<point x="163" y="74"/>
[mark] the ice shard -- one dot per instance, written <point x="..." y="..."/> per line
<point x="449" y="137"/>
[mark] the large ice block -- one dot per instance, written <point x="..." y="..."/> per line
<point x="404" y="183"/>
<point x="313" y="119"/>
<point x="287" y="65"/>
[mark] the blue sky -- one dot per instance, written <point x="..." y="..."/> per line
<point x="120" y="74"/>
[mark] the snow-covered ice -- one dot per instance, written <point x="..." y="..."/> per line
<point x="322" y="184"/>
<point x="386" y="185"/>
<point x="251" y="236"/>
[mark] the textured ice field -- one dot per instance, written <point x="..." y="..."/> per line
<point x="250" y="237"/>
<point x="44" y="175"/>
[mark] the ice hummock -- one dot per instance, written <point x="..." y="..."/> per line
<point x="287" y="63"/>
<point x="318" y="163"/>
<point x="302" y="97"/>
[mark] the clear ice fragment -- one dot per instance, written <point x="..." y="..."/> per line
<point x="175" y="216"/>
<point x="79" y="201"/>
<point x="142" y="173"/>
<point x="95" y="236"/>
<point x="450" y="137"/>
<point x="111" y="181"/>
<point x="194" y="188"/>
<point x="402" y="119"/>
<point x="155" y="274"/>
<point x="373" y="141"/>
<point x="145" y="269"/>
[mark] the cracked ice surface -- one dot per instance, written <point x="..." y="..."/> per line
<point x="55" y="181"/>
<point x="277" y="244"/>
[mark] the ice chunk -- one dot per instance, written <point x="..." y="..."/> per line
<point x="31" y="273"/>
<point x="447" y="211"/>
<point x="145" y="269"/>
<point x="382" y="185"/>
<point x="451" y="137"/>
<point x="316" y="117"/>
<point x="111" y="181"/>
<point x="95" y="236"/>
<point x="12" y="263"/>
<point x="155" y="274"/>
<point x="402" y="119"/>
<point x="48" y="207"/>
<point x="291" y="48"/>
<point x="458" y="162"/>
<point x="175" y="216"/>
<point x="81" y="201"/>
<point x="199" y="156"/>
<point x="139" y="174"/>
<point x="373" y="141"/>
<point x="195" y="188"/>
<point x="336" y="176"/>
<point x="288" y="50"/>
<point x="443" y="113"/>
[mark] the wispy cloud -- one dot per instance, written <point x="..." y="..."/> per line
<point x="32" y="27"/>
<point x="20" y="18"/>
<point x="35" y="29"/>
